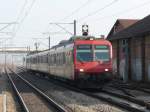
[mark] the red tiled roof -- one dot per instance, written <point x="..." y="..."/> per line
<point x="123" y="23"/>
<point x="140" y="28"/>
<point x="127" y="22"/>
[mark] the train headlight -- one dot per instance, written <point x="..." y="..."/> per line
<point x="81" y="70"/>
<point x="106" y="70"/>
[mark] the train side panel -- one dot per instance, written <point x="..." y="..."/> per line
<point x="42" y="62"/>
<point x="33" y="62"/>
<point x="61" y="62"/>
<point x="69" y="68"/>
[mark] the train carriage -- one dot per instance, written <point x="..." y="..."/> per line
<point x="81" y="58"/>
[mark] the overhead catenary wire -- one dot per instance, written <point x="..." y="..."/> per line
<point x="78" y="9"/>
<point x="29" y="10"/>
<point x="22" y="10"/>
<point x="94" y="12"/>
<point x="97" y="11"/>
<point x="5" y="26"/>
<point x="20" y="13"/>
<point x="26" y="14"/>
<point x="4" y="29"/>
<point x="122" y="12"/>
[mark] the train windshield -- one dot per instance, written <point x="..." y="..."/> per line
<point x="101" y="52"/>
<point x="84" y="53"/>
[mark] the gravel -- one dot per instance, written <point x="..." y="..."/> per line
<point x="33" y="101"/>
<point x="69" y="99"/>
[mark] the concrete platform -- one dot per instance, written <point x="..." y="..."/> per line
<point x="1" y="103"/>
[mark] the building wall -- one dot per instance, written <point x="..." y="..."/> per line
<point x="114" y="58"/>
<point x="130" y="58"/>
<point x="121" y="59"/>
<point x="147" y="58"/>
<point x="124" y="55"/>
<point x="136" y="59"/>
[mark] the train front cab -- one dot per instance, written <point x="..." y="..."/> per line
<point x="93" y="60"/>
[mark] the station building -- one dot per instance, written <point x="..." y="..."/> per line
<point x="131" y="49"/>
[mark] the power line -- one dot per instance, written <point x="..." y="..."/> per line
<point x="22" y="10"/>
<point x="4" y="27"/>
<point x="29" y="10"/>
<point x="26" y="14"/>
<point x="63" y="28"/>
<point x="98" y="10"/>
<point x="7" y="24"/>
<point x="124" y="11"/>
<point x="93" y="13"/>
<point x="20" y="13"/>
<point x="77" y="10"/>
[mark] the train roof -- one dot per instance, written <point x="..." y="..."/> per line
<point x="65" y="42"/>
<point x="71" y="40"/>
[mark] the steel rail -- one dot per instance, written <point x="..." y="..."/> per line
<point x="130" y="98"/>
<point x="24" y="106"/>
<point x="109" y="100"/>
<point x="58" y="107"/>
<point x="131" y="88"/>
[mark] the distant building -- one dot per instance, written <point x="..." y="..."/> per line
<point x="131" y="50"/>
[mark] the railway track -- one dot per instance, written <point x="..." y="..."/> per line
<point x="133" y="86"/>
<point x="30" y="97"/>
<point x="133" y="92"/>
<point x="125" y="102"/>
<point x="114" y="99"/>
<point x="70" y="98"/>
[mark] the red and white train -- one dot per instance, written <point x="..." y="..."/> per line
<point x="82" y="58"/>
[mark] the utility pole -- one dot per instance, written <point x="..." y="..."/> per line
<point x="5" y="55"/>
<point x="6" y="25"/>
<point x="49" y="39"/>
<point x="36" y="46"/>
<point x="75" y="27"/>
<point x="40" y="42"/>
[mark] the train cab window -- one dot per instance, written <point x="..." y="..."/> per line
<point x="101" y="52"/>
<point x="84" y="53"/>
<point x="83" y="47"/>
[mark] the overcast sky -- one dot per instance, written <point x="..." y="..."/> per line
<point x="33" y="18"/>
